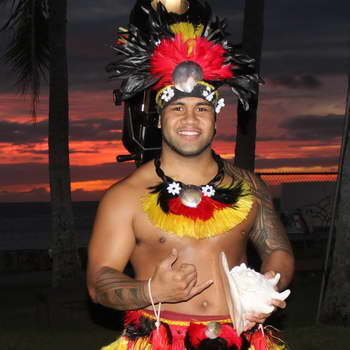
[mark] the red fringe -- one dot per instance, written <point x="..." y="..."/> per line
<point x="258" y="340"/>
<point x="196" y="333"/>
<point x="204" y="211"/>
<point x="171" y="52"/>
<point x="160" y="339"/>
<point x="132" y="317"/>
<point x="230" y="335"/>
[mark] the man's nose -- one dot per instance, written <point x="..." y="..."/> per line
<point x="190" y="115"/>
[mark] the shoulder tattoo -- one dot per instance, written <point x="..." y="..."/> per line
<point x="268" y="233"/>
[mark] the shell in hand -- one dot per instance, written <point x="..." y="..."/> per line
<point x="255" y="290"/>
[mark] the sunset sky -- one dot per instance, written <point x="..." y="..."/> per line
<point x="301" y="107"/>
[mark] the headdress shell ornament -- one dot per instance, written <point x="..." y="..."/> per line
<point x="180" y="56"/>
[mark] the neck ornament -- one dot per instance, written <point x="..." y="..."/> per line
<point x="199" y="212"/>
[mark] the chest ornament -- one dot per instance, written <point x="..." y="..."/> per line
<point x="197" y="211"/>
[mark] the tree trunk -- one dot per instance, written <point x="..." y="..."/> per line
<point x="66" y="264"/>
<point x="253" y="30"/>
<point x="336" y="306"/>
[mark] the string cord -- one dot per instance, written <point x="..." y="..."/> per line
<point x="155" y="311"/>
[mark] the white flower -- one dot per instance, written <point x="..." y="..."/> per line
<point x="168" y="94"/>
<point x="174" y="188"/>
<point x="208" y="191"/>
<point x="208" y="94"/>
<point x="219" y="105"/>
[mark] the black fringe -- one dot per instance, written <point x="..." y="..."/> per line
<point x="134" y="58"/>
<point x="142" y="329"/>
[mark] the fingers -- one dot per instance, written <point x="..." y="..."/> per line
<point x="199" y="288"/>
<point x="278" y="303"/>
<point x="248" y="326"/>
<point x="257" y="317"/>
<point x="170" y="260"/>
<point x="270" y="274"/>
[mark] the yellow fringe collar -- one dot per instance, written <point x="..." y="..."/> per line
<point x="222" y="221"/>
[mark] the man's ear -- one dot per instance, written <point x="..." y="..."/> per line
<point x="159" y="110"/>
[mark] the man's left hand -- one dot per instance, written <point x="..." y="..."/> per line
<point x="258" y="317"/>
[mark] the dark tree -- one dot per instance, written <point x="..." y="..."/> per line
<point x="253" y="31"/>
<point x="336" y="304"/>
<point x="38" y="47"/>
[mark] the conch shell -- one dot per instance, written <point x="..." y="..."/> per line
<point x="248" y="291"/>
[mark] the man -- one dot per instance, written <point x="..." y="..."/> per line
<point x="172" y="218"/>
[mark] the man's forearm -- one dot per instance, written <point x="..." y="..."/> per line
<point x="282" y="262"/>
<point x="118" y="291"/>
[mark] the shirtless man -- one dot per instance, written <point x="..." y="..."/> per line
<point x="185" y="271"/>
<point x="172" y="218"/>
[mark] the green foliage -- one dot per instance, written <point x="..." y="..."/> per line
<point x="27" y="52"/>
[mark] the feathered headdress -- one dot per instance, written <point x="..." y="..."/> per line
<point x="182" y="55"/>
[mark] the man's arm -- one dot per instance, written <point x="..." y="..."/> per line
<point x="110" y="247"/>
<point x="269" y="235"/>
<point x="118" y="291"/>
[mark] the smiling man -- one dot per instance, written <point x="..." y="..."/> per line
<point x="173" y="216"/>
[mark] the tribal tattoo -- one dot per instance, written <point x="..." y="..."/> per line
<point x="118" y="291"/>
<point x="268" y="233"/>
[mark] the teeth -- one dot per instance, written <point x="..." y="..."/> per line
<point x="189" y="133"/>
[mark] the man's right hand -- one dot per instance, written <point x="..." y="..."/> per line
<point x="173" y="285"/>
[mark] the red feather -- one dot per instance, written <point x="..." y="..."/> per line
<point x="196" y="333"/>
<point x="171" y="52"/>
<point x="258" y="340"/>
<point x="204" y="211"/>
<point x="160" y="339"/>
<point x="230" y="335"/>
<point x="132" y="317"/>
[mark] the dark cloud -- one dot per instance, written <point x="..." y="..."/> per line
<point x="306" y="81"/>
<point x="37" y="173"/>
<point x="309" y="37"/>
<point x="313" y="127"/>
<point x="93" y="129"/>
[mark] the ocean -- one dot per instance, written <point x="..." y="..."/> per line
<point x="27" y="225"/>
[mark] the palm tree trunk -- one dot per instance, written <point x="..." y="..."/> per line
<point x="66" y="264"/>
<point x="253" y="30"/>
<point x="336" y="305"/>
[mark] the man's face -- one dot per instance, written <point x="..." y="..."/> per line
<point x="188" y="126"/>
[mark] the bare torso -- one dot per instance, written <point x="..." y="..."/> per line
<point x="152" y="245"/>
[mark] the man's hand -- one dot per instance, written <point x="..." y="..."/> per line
<point x="256" y="317"/>
<point x="178" y="284"/>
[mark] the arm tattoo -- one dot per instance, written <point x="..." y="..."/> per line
<point x="268" y="233"/>
<point x="118" y="291"/>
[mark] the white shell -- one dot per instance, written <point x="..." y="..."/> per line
<point x="255" y="290"/>
<point x="248" y="291"/>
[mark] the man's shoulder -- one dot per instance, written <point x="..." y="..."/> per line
<point x="131" y="187"/>
<point x="241" y="174"/>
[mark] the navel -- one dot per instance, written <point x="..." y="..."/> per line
<point x="205" y="304"/>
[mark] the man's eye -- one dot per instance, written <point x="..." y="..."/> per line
<point x="177" y="108"/>
<point x="203" y="109"/>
